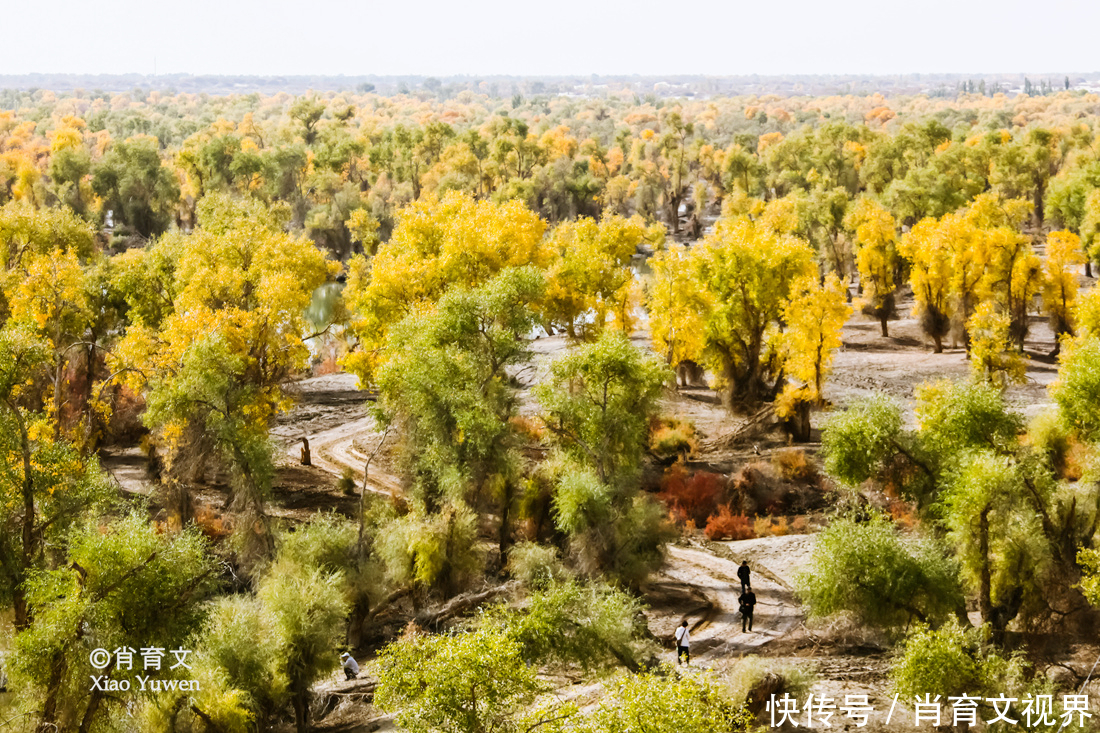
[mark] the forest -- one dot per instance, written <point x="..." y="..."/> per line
<point x="493" y="393"/>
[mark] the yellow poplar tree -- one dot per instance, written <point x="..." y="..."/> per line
<point x="746" y="272"/>
<point x="876" y="257"/>
<point x="968" y="265"/>
<point x="1064" y="256"/>
<point x="1087" y="313"/>
<point x="930" y="276"/>
<point x="992" y="356"/>
<point x="590" y="277"/>
<point x="437" y="243"/>
<point x="213" y="364"/>
<point x="1013" y="272"/>
<point x="675" y="302"/>
<point x="814" y="316"/>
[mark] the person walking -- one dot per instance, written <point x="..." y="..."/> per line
<point x="683" y="644"/>
<point x="743" y="573"/>
<point x="351" y="667"/>
<point x="748" y="603"/>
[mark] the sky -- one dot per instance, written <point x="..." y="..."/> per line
<point x="566" y="37"/>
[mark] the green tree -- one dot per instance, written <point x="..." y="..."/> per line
<point x="135" y="184"/>
<point x="472" y="682"/>
<point x="308" y="610"/>
<point x="886" y="580"/>
<point x="447" y="383"/>
<point x="1077" y="389"/>
<point x="598" y="402"/>
<point x="655" y="702"/>
<point x="1013" y="528"/>
<point x="46" y="486"/>
<point x="125" y="585"/>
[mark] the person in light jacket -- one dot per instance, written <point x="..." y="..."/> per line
<point x="683" y="643"/>
<point x="351" y="667"/>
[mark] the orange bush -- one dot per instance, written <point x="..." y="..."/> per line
<point x="771" y="526"/>
<point x="902" y="513"/>
<point x="725" y="525"/>
<point x="529" y="427"/>
<point x="692" y="497"/>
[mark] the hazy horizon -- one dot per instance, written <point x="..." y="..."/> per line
<point x="571" y="38"/>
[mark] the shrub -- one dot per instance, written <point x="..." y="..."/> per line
<point x="755" y="488"/>
<point x="902" y="513"/>
<point x="346" y="484"/>
<point x="765" y="526"/>
<point x="462" y="683"/>
<point x="621" y="533"/>
<point x="1048" y="433"/>
<point x="671" y="439"/>
<point x="795" y="465"/>
<point x="434" y="552"/>
<point x="212" y="524"/>
<point x="751" y="675"/>
<point x="570" y="625"/>
<point x="692" y="498"/>
<point x="236" y="651"/>
<point x="666" y="701"/>
<point x="1089" y="560"/>
<point x="728" y="526"/>
<point x="953" y="660"/>
<point x="530" y="428"/>
<point x="535" y="565"/>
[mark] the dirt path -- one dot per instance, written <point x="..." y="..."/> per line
<point x="332" y="413"/>
<point x="348" y="446"/>
<point x="709" y="574"/>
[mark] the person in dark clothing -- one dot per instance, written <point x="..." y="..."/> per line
<point x="748" y="603"/>
<point x="743" y="573"/>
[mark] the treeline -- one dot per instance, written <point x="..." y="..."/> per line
<point x="148" y="158"/>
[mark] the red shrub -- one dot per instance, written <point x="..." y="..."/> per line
<point x="725" y="525"/>
<point x="695" y="497"/>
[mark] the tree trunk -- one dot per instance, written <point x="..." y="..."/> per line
<point x="505" y="506"/>
<point x="57" y="379"/>
<point x="90" y="711"/>
<point x="799" y="423"/>
<point x="985" y="602"/>
<point x="48" y="723"/>
<point x="301" y="711"/>
<point x="883" y="318"/>
<point x="29" y="550"/>
<point x="937" y="342"/>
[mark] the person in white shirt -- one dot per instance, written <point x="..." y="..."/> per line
<point x="351" y="667"/>
<point x="683" y="643"/>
